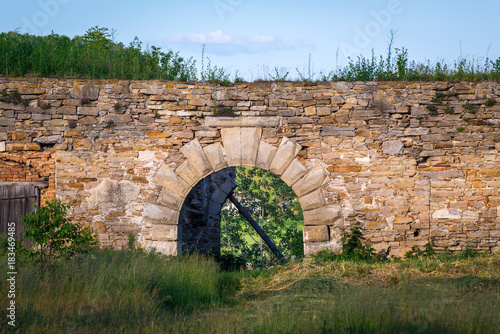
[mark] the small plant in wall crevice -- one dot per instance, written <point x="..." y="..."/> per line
<point x="110" y="124"/>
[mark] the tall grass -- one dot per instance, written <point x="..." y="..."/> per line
<point x="135" y="292"/>
<point x="110" y="290"/>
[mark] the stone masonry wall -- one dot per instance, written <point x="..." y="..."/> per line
<point x="406" y="161"/>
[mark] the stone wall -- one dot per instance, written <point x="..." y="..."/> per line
<point x="405" y="161"/>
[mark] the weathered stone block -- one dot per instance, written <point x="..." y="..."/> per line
<point x="226" y="122"/>
<point x="231" y="139"/>
<point x="160" y="214"/>
<point x="87" y="91"/>
<point x="313" y="200"/>
<point x="322" y="216"/>
<point x="250" y="140"/>
<point x="196" y="156"/>
<point x="294" y="172"/>
<point x="164" y="247"/>
<point x="265" y="155"/>
<point x="157" y="134"/>
<point x="310" y="182"/>
<point x="316" y="233"/>
<point x="164" y="232"/>
<point x="287" y="151"/>
<point x="170" y="181"/>
<point x="447" y="214"/>
<point x="188" y="173"/>
<point x="392" y="147"/>
<point x="312" y="247"/>
<point x="49" y="139"/>
<point x="170" y="199"/>
<point x="215" y="156"/>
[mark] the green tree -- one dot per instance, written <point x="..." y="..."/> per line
<point x="274" y="207"/>
<point x="53" y="235"/>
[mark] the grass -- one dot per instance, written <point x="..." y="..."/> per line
<point x="135" y="292"/>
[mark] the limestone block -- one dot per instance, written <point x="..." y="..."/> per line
<point x="164" y="247"/>
<point x="110" y="195"/>
<point x="88" y="91"/>
<point x="146" y="155"/>
<point x="294" y="172"/>
<point x="49" y="139"/>
<point x="169" y="199"/>
<point x="99" y="227"/>
<point x="170" y="181"/>
<point x="443" y="174"/>
<point x="223" y="122"/>
<point x="312" y="247"/>
<point x="4" y="121"/>
<point x="250" y="140"/>
<point x="447" y="214"/>
<point x="265" y="155"/>
<point x="231" y="139"/>
<point x="160" y="214"/>
<point x="188" y="173"/>
<point x="392" y="147"/>
<point x="416" y="131"/>
<point x="316" y="233"/>
<point x="287" y="151"/>
<point x="196" y="156"/>
<point x="313" y="200"/>
<point x="118" y="118"/>
<point x="310" y="182"/>
<point x="164" y="232"/>
<point x="215" y="156"/>
<point x="322" y="216"/>
<point x="2" y="146"/>
<point x="399" y="252"/>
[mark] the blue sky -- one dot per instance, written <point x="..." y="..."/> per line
<point x="254" y="36"/>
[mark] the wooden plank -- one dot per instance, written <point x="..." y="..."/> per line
<point x="17" y="202"/>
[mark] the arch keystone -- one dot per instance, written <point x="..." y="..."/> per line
<point x="250" y="142"/>
<point x="231" y="138"/>
<point x="286" y="153"/>
<point x="196" y="156"/>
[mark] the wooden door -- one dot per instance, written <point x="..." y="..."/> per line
<point x="15" y="203"/>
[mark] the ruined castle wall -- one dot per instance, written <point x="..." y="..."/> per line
<point x="406" y="161"/>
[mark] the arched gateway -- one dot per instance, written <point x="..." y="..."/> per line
<point x="240" y="147"/>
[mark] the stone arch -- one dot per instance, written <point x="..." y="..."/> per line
<point x="241" y="147"/>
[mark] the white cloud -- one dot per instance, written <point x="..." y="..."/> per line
<point x="218" y="42"/>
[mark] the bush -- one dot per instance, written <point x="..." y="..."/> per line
<point x="353" y="250"/>
<point x="53" y="235"/>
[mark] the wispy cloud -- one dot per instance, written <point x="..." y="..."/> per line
<point x="221" y="43"/>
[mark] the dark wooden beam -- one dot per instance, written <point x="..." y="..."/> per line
<point x="257" y="228"/>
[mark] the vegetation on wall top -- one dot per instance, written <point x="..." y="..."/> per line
<point x="98" y="55"/>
